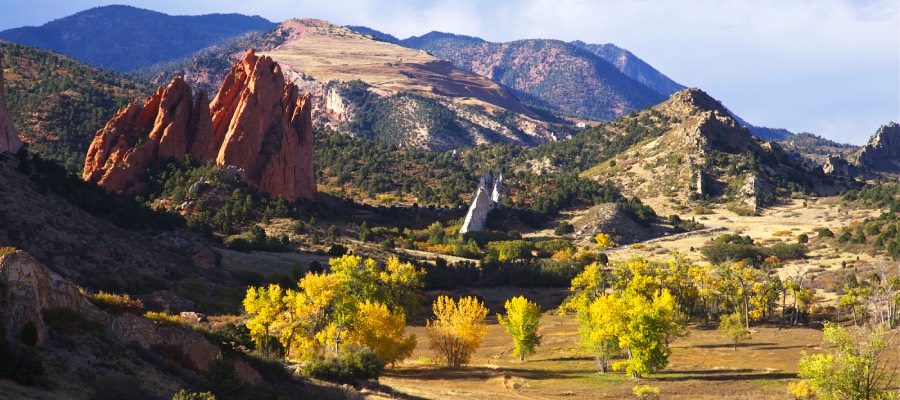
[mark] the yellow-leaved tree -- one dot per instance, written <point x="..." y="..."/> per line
<point x="264" y="304"/>
<point x="604" y="241"/>
<point x="381" y="330"/>
<point x="522" y="320"/>
<point x="600" y="324"/>
<point x="400" y="282"/>
<point x="457" y="329"/>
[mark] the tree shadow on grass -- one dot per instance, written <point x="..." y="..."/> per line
<point x="729" y="345"/>
<point x="744" y="374"/>
<point x="573" y="358"/>
<point x="481" y="373"/>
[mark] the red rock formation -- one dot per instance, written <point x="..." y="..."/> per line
<point x="257" y="123"/>
<point x="261" y="125"/>
<point x="9" y="139"/>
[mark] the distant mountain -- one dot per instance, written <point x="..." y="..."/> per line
<point x="58" y="104"/>
<point x="125" y="38"/>
<point x="366" y="86"/>
<point x="545" y="73"/>
<point x="633" y="67"/>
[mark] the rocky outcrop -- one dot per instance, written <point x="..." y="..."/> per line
<point x="166" y="126"/>
<point x="753" y="192"/>
<point x="262" y="125"/>
<point x="837" y="165"/>
<point x="485" y="200"/>
<point x="9" y="139"/>
<point x="258" y="123"/>
<point x="882" y="150"/>
<point x="27" y="288"/>
<point x="184" y="346"/>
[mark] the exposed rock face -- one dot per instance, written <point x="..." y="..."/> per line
<point x="260" y="124"/>
<point x="837" y="165"/>
<point x="753" y="191"/>
<point x="486" y="199"/>
<point x="9" y="139"/>
<point x="882" y="150"/>
<point x="27" y="287"/>
<point x="138" y="137"/>
<point x="183" y="346"/>
<point x="257" y="123"/>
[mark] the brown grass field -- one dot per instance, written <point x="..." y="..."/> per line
<point x="703" y="365"/>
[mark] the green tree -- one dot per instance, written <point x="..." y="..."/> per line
<point x="522" y="320"/>
<point x="223" y="379"/>
<point x="732" y="328"/>
<point x="649" y="326"/>
<point x="859" y="367"/>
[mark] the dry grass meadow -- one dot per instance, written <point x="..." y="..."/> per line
<point x="703" y="365"/>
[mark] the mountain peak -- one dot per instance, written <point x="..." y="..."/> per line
<point x="698" y="100"/>
<point x="882" y="149"/>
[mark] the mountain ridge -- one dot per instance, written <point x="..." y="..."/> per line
<point x="126" y="38"/>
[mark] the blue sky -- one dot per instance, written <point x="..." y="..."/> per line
<point x="830" y="67"/>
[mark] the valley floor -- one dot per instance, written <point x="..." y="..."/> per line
<point x="703" y="365"/>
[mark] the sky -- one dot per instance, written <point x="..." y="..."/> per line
<point x="830" y="67"/>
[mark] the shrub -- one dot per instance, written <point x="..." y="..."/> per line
<point x="803" y="238"/>
<point x="183" y="395"/>
<point x="352" y="365"/>
<point x="646" y="392"/>
<point x="549" y="247"/>
<point x="826" y="233"/>
<point x="337" y="250"/>
<point x="115" y="303"/>
<point x="164" y="318"/>
<point x="788" y="251"/>
<point x="564" y="228"/>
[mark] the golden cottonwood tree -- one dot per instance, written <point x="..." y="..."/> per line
<point x="351" y="304"/>
<point x="264" y="305"/>
<point x="522" y="320"/>
<point x="457" y="329"/>
<point x="382" y="331"/>
<point x="400" y="282"/>
<point x="600" y="324"/>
